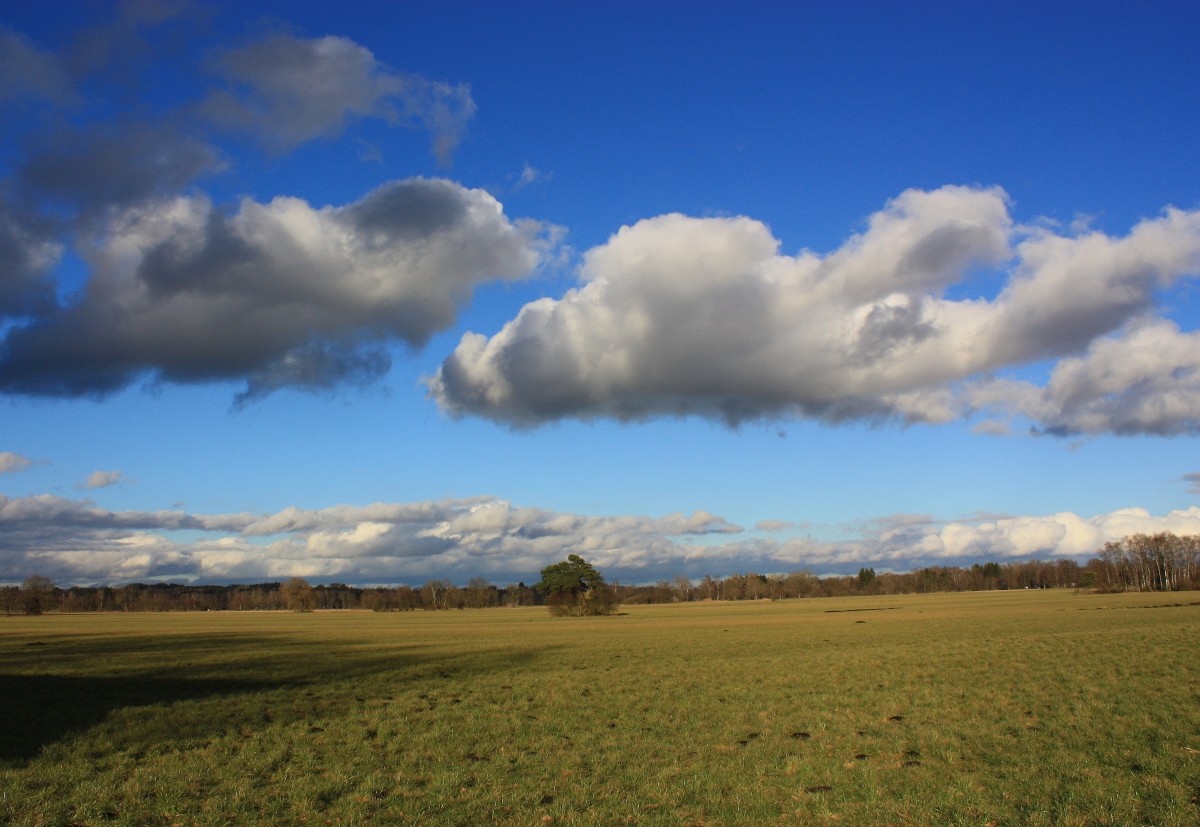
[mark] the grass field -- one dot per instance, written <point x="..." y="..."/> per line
<point x="1003" y="708"/>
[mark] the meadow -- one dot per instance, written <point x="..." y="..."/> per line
<point x="1000" y="708"/>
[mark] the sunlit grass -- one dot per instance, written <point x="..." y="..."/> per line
<point x="1009" y="708"/>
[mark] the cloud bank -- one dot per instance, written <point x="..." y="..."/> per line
<point x="74" y="541"/>
<point x="681" y="316"/>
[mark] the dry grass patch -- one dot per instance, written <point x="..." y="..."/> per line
<point x="1014" y="708"/>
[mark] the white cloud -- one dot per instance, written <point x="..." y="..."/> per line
<point x="774" y="525"/>
<point x="102" y="479"/>
<point x="1146" y="379"/>
<point x="11" y="463"/>
<point x="179" y="288"/>
<point x="679" y="316"/>
<point x="74" y="541"/>
<point x="531" y="175"/>
<point x="282" y="294"/>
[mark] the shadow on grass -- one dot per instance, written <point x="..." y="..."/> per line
<point x="53" y="690"/>
<point x="43" y="709"/>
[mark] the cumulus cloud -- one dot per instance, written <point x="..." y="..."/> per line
<point x="28" y="252"/>
<point x="75" y="541"/>
<point x="11" y="463"/>
<point x="101" y="479"/>
<point x="1146" y="380"/>
<point x="288" y="90"/>
<point x="681" y="316"/>
<point x="175" y="287"/>
<point x="282" y="294"/>
<point x="115" y="165"/>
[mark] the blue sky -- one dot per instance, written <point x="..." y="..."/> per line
<point x="441" y="290"/>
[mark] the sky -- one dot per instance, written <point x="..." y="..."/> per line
<point x="381" y="293"/>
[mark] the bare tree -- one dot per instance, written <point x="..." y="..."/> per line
<point x="10" y="599"/>
<point x="436" y="594"/>
<point x="480" y="594"/>
<point x="298" y="595"/>
<point x="1149" y="562"/>
<point x="36" y="592"/>
<point x="684" y="588"/>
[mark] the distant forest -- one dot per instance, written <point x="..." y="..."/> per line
<point x="1139" y="562"/>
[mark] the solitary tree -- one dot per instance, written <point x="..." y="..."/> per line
<point x="36" y="592"/>
<point x="574" y="587"/>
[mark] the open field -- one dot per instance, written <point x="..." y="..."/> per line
<point x="1005" y="708"/>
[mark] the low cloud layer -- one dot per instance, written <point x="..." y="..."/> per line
<point x="680" y="316"/>
<point x="74" y="541"/>
<point x="176" y="287"/>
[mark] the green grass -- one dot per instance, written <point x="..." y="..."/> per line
<point x="1003" y="708"/>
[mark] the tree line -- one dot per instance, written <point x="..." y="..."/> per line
<point x="1150" y="563"/>
<point x="1139" y="562"/>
